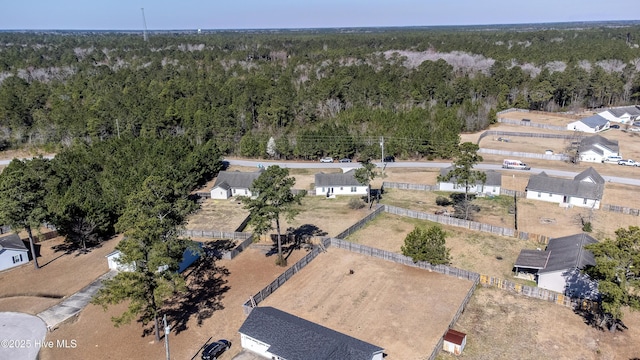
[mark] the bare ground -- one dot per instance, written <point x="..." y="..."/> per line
<point x="221" y="215"/>
<point x="399" y="308"/>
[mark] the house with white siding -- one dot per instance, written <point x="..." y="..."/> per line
<point x="622" y="114"/>
<point x="584" y="190"/>
<point x="275" y="334"/>
<point x="13" y="252"/>
<point x="591" y="124"/>
<point x="233" y="183"/>
<point x="490" y="186"/>
<point x="596" y="148"/>
<point x="557" y="268"/>
<point x="339" y="184"/>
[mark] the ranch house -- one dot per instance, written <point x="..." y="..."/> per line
<point x="275" y="334"/>
<point x="339" y="184"/>
<point x="591" y="124"/>
<point x="622" y="115"/>
<point x="597" y="148"/>
<point x="584" y="190"/>
<point x="491" y="186"/>
<point x="233" y="183"/>
<point x="557" y="268"/>
<point x="12" y="252"/>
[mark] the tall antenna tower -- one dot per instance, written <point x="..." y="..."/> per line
<point x="144" y="23"/>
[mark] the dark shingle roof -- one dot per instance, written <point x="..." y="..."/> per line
<point x="236" y="179"/>
<point x="494" y="178"/>
<point x="339" y="179"/>
<point x="532" y="259"/>
<point x="292" y="338"/>
<point x="13" y="242"/>
<point x="578" y="186"/>
<point x="589" y="143"/>
<point x="594" y="121"/>
<point x="568" y="253"/>
<point x="631" y="110"/>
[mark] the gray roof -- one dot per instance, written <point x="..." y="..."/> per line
<point x="337" y="179"/>
<point x="292" y="338"/>
<point x="236" y="179"/>
<point x="532" y="259"/>
<point x="589" y="143"/>
<point x="595" y="121"/>
<point x="13" y="242"/>
<point x="578" y="186"/>
<point x="634" y="111"/>
<point x="568" y="253"/>
<point x="494" y="178"/>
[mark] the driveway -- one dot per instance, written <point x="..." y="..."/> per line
<point x="21" y="336"/>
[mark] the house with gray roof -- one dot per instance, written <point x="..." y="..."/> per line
<point x="622" y="114"/>
<point x="339" y="184"/>
<point x="557" y="268"/>
<point x="596" y="148"/>
<point x="13" y="252"/>
<point x="584" y="190"/>
<point x="233" y="183"/>
<point x="275" y="334"/>
<point x="490" y="186"/>
<point x="591" y="124"/>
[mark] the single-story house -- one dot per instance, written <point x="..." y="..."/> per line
<point x="275" y="334"/>
<point x="188" y="258"/>
<point x="13" y="252"/>
<point x="584" y="190"/>
<point x="490" y="186"/>
<point x="557" y="268"/>
<point x="622" y="114"/>
<point x="339" y="184"/>
<point x="454" y="342"/>
<point x="591" y="124"/>
<point x="597" y="148"/>
<point x="233" y="183"/>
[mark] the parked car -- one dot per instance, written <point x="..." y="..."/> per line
<point x="327" y="159"/>
<point x="615" y="126"/>
<point x="627" y="162"/>
<point x="612" y="159"/>
<point x="634" y="129"/>
<point x="503" y="139"/>
<point x="345" y="160"/>
<point x="389" y="159"/>
<point x="215" y="349"/>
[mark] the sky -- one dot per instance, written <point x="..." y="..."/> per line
<point x="282" y="14"/>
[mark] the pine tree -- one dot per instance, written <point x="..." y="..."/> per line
<point x="427" y="245"/>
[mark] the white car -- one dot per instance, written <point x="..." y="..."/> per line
<point x="326" y="160"/>
<point x="634" y="129"/>
<point x="628" y="162"/>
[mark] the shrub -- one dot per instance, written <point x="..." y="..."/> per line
<point x="586" y="227"/>
<point x="442" y="201"/>
<point x="355" y="204"/>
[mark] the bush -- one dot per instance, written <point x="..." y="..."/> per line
<point x="586" y="227"/>
<point x="442" y="201"/>
<point x="355" y="204"/>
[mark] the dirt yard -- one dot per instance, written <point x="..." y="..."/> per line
<point x="501" y="325"/>
<point x="221" y="215"/>
<point x="399" y="308"/>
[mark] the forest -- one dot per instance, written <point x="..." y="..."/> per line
<point x="315" y="93"/>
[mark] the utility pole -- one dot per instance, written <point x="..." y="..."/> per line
<point x="382" y="147"/>
<point x="144" y="24"/>
<point x="167" y="330"/>
<point x="118" y="128"/>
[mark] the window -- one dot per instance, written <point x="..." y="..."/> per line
<point x="550" y="194"/>
<point x="17" y="258"/>
<point x="341" y="188"/>
<point x="323" y="190"/>
<point x="584" y="201"/>
<point x="539" y="194"/>
<point x="353" y="189"/>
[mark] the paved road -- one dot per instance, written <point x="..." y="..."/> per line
<point x="21" y="336"/>
<point x="414" y="164"/>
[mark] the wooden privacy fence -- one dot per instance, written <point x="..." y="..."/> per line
<point x="526" y="134"/>
<point x="238" y="249"/>
<point x="620" y="209"/>
<point x="508" y="192"/>
<point x="519" y="154"/>
<point x="215" y="234"/>
<point x="531" y="124"/>
<point x="362" y="222"/>
<point x="407" y="186"/>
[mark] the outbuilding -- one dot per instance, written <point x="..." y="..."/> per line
<point x="454" y="341"/>
<point x="12" y="252"/>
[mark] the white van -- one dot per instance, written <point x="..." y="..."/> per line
<point x="612" y="159"/>
<point x="515" y="165"/>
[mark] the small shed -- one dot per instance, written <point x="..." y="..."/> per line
<point x="454" y="342"/>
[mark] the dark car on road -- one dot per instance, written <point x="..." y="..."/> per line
<point x="215" y="349"/>
<point x="389" y="159"/>
<point x="345" y="160"/>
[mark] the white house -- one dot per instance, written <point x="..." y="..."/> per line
<point x="233" y="183"/>
<point x="491" y="185"/>
<point x="622" y="115"/>
<point x="597" y="148"/>
<point x="12" y="252"/>
<point x="557" y="268"/>
<point x="275" y="334"/>
<point x="591" y="124"/>
<point x="339" y="184"/>
<point x="584" y="190"/>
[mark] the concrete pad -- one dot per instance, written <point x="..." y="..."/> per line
<point x="21" y="336"/>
